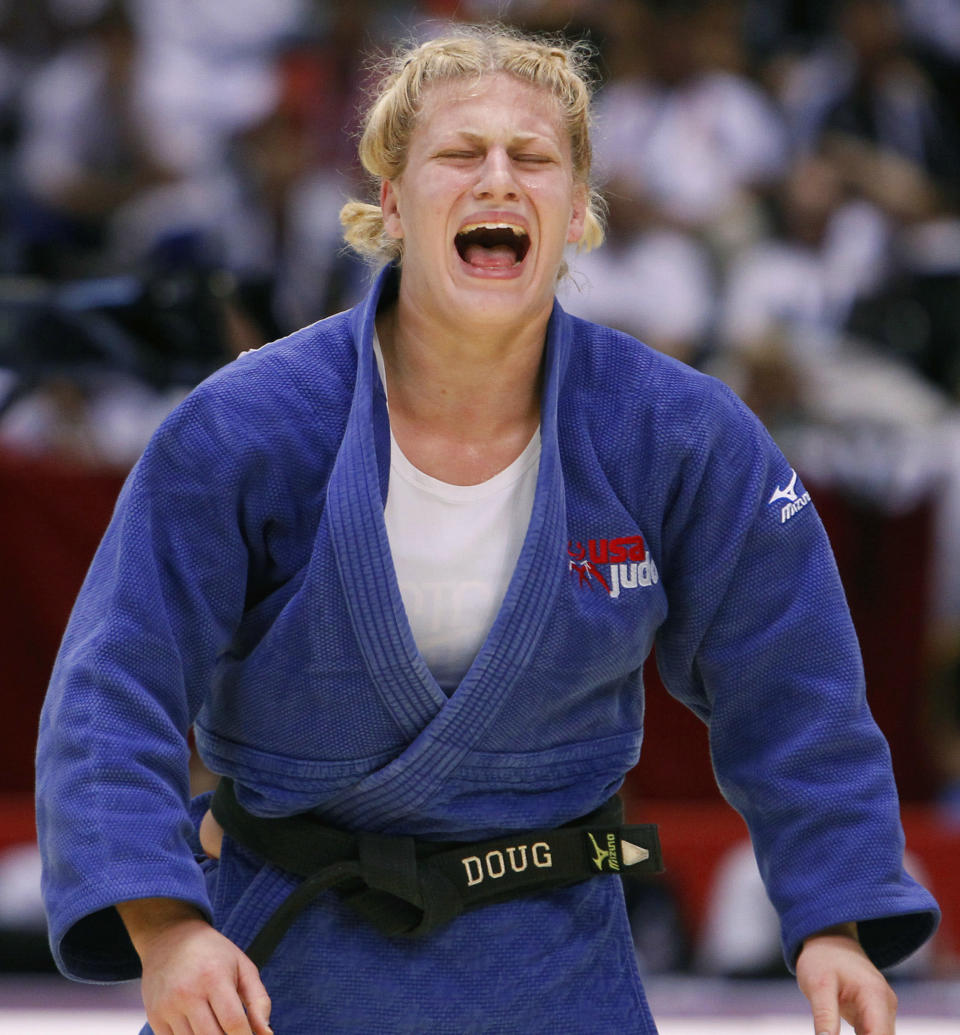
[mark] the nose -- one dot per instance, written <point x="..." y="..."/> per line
<point x="496" y="179"/>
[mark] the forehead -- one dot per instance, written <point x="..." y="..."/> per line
<point x="497" y="104"/>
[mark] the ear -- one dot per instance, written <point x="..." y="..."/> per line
<point x="578" y="213"/>
<point x="390" y="206"/>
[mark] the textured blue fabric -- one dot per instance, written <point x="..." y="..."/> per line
<point x="245" y="584"/>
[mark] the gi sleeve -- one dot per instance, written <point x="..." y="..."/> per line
<point x="161" y="600"/>
<point x="760" y="644"/>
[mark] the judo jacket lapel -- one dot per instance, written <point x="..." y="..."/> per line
<point x="441" y="730"/>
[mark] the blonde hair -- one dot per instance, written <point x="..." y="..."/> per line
<point x="470" y="51"/>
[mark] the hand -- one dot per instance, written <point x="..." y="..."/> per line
<point x="836" y="975"/>
<point x="195" y="981"/>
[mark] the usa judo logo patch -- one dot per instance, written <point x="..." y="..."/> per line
<point x="612" y="564"/>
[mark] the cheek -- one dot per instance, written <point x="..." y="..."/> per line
<point x="426" y="228"/>
<point x="555" y="203"/>
<point x="560" y="224"/>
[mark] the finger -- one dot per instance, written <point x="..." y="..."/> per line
<point x="254" y="996"/>
<point x="181" y="1026"/>
<point x="159" y="1027"/>
<point x="230" y="1015"/>
<point x="203" y="1021"/>
<point x="872" y="1015"/>
<point x="825" y="1006"/>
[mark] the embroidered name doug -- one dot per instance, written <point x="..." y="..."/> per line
<point x="513" y="859"/>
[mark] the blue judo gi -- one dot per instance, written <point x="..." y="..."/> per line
<point x="245" y="585"/>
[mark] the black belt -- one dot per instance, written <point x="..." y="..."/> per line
<point x="407" y="886"/>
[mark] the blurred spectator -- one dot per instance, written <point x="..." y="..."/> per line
<point x="932" y="28"/>
<point x="862" y="97"/>
<point x="268" y="209"/>
<point x="277" y="224"/>
<point x="296" y="167"/>
<point x="574" y="19"/>
<point x="656" y="284"/>
<point x="681" y="131"/>
<point x="798" y="285"/>
<point x="934" y="24"/>
<point x="238" y="244"/>
<point x="209" y="68"/>
<point x="89" y="368"/>
<point x="126" y="131"/>
<point x="914" y="319"/>
<point x="864" y="100"/>
<point x="86" y="147"/>
<point x="773" y="29"/>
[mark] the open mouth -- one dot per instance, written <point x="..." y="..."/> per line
<point x="492" y="245"/>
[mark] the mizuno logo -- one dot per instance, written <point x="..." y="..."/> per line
<point x="789" y="493"/>
<point x="600" y="855"/>
<point x="612" y="858"/>
<point x="606" y="859"/>
<point x="794" y="503"/>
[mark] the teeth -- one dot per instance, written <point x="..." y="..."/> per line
<point x="470" y="227"/>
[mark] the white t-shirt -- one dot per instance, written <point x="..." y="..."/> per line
<point x="454" y="549"/>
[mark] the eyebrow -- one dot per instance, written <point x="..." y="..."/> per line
<point x="518" y="140"/>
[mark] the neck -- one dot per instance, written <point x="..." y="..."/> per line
<point x="439" y="371"/>
<point x="462" y="407"/>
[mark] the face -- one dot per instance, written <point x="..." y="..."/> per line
<point x="487" y="201"/>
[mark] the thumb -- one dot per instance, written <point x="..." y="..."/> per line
<point x="254" y="996"/>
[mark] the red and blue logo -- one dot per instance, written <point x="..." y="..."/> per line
<point x="614" y="564"/>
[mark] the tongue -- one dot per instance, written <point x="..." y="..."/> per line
<point x="499" y="257"/>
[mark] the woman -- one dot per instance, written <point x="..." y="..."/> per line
<point x="446" y="530"/>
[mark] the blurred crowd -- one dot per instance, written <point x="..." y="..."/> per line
<point x="782" y="176"/>
<point x="783" y="181"/>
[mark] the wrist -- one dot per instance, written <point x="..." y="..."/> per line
<point x="145" y="918"/>
<point x="847" y="930"/>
